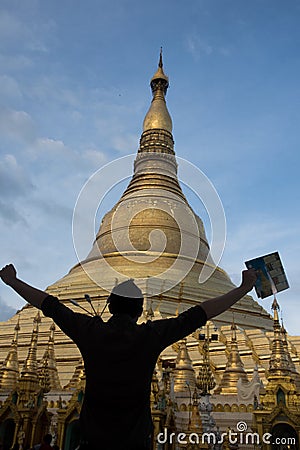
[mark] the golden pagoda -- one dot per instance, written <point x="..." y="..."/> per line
<point x="153" y="214"/>
<point x="152" y="235"/>
<point x="234" y="370"/>
<point x="278" y="414"/>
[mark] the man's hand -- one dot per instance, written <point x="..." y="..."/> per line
<point x="8" y="274"/>
<point x="216" y="306"/>
<point x="32" y="295"/>
<point x="249" y="278"/>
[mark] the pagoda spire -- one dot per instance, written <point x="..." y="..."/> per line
<point x="29" y="387"/>
<point x="78" y="378"/>
<point x="184" y="374"/>
<point x="287" y="352"/>
<point x="158" y="116"/>
<point x="205" y="379"/>
<point x="48" y="369"/>
<point x="155" y="165"/>
<point x="30" y="365"/>
<point x="9" y="372"/>
<point x="195" y="423"/>
<point x="281" y="389"/>
<point x="279" y="361"/>
<point x="234" y="369"/>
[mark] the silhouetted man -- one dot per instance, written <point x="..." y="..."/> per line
<point x="120" y="356"/>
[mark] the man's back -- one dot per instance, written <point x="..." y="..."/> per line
<point x="119" y="358"/>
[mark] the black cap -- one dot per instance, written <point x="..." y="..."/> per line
<point x="127" y="289"/>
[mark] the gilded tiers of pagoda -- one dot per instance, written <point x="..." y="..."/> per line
<point x="39" y="362"/>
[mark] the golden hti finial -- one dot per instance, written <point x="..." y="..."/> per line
<point x="160" y="63"/>
<point x="275" y="307"/>
<point x="17" y="329"/>
<point x="9" y="372"/>
<point x="158" y="116"/>
<point x="160" y="75"/>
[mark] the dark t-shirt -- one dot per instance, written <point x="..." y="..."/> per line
<point x="119" y="357"/>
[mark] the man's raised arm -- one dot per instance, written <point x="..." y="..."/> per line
<point x="215" y="306"/>
<point x="32" y="295"/>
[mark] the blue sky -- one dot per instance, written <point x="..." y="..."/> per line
<point x="74" y="89"/>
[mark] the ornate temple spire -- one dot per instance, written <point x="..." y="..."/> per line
<point x="287" y="352"/>
<point x="44" y="375"/>
<point x="30" y="366"/>
<point x="156" y="150"/>
<point x="195" y="423"/>
<point x="184" y="374"/>
<point x="29" y="387"/>
<point x="158" y="116"/>
<point x="281" y="389"/>
<point x="205" y="379"/>
<point x="9" y="372"/>
<point x="48" y="369"/>
<point x="234" y="369"/>
<point x="279" y="361"/>
<point x="78" y="378"/>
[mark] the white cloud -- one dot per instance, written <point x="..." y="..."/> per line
<point x="15" y="186"/>
<point x="127" y="143"/>
<point x="20" y="31"/>
<point x="96" y="157"/>
<point x="10" y="215"/>
<point x="16" y="125"/>
<point x="254" y="234"/>
<point x="197" y="46"/>
<point x="9" y="89"/>
<point x="11" y="28"/>
<point x="14" y="181"/>
<point x="50" y="147"/>
<point x="76" y="116"/>
<point x="15" y="62"/>
<point x="54" y="90"/>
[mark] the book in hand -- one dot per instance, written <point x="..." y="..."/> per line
<point x="271" y="277"/>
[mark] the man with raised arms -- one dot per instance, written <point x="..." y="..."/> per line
<point x="120" y="356"/>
